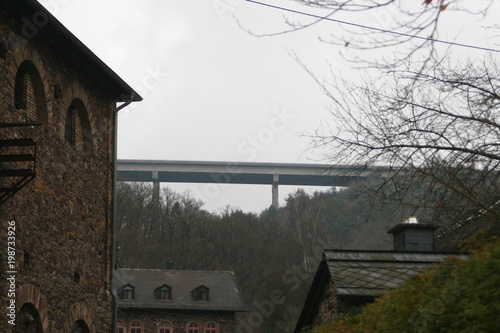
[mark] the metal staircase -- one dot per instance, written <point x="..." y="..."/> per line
<point x="17" y="162"/>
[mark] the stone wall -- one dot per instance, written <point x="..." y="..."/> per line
<point x="328" y="305"/>
<point x="152" y="319"/>
<point x="63" y="218"/>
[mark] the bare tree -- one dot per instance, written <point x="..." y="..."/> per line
<point x="430" y="113"/>
<point x="410" y="28"/>
<point x="439" y="129"/>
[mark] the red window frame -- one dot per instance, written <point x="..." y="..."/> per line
<point x="135" y="327"/>
<point x="120" y="327"/>
<point x="194" y="328"/>
<point x="165" y="328"/>
<point x="211" y="328"/>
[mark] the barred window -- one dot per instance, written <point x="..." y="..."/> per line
<point x="69" y="128"/>
<point x="77" y="131"/>
<point x="29" y="93"/>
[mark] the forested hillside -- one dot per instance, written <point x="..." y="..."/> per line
<point x="276" y="250"/>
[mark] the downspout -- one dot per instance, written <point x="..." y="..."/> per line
<point x="113" y="227"/>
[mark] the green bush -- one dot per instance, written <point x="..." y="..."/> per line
<point x="454" y="296"/>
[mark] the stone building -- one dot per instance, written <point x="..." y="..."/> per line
<point x="176" y="301"/>
<point x="348" y="279"/>
<point x="57" y="150"/>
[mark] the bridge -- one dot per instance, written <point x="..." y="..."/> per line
<point x="273" y="174"/>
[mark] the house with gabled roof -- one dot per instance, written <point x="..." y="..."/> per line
<point x="347" y="279"/>
<point x="174" y="301"/>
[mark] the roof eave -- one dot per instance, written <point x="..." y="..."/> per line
<point x="127" y="93"/>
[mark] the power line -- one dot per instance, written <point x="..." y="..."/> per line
<point x="326" y="18"/>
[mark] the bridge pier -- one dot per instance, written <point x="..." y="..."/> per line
<point x="275" y="193"/>
<point x="156" y="187"/>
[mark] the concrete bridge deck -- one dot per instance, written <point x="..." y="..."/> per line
<point x="242" y="173"/>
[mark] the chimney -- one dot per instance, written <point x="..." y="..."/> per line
<point x="170" y="264"/>
<point x="411" y="236"/>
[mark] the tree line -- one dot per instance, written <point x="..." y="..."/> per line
<point x="276" y="249"/>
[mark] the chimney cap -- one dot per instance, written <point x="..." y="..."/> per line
<point x="411" y="236"/>
<point x="411" y="220"/>
<point x="411" y="223"/>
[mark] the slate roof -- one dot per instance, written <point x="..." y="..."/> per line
<point x="223" y="291"/>
<point x="363" y="275"/>
<point x="370" y="273"/>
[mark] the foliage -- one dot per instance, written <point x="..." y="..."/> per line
<point x="455" y="296"/>
<point x="278" y="250"/>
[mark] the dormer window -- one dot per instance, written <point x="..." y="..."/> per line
<point x="164" y="293"/>
<point x="200" y="293"/>
<point x="126" y="292"/>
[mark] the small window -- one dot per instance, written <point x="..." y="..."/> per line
<point x="120" y="327"/>
<point x="211" y="328"/>
<point x="135" y="327"/>
<point x="163" y="293"/>
<point x="127" y="292"/>
<point x="165" y="328"/>
<point x="194" y="328"/>
<point x="200" y="293"/>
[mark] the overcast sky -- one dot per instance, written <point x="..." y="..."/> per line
<point x="212" y="91"/>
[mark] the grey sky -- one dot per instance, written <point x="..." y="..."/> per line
<point x="211" y="90"/>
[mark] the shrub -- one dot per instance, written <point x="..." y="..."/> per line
<point x="454" y="296"/>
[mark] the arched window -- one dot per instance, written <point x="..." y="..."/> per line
<point x="211" y="328"/>
<point x="28" y="320"/>
<point x="165" y="328"/>
<point x="135" y="327"/>
<point x="77" y="130"/>
<point x="193" y="328"/>
<point x="29" y="94"/>
<point x="79" y="326"/>
<point x="120" y="327"/>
